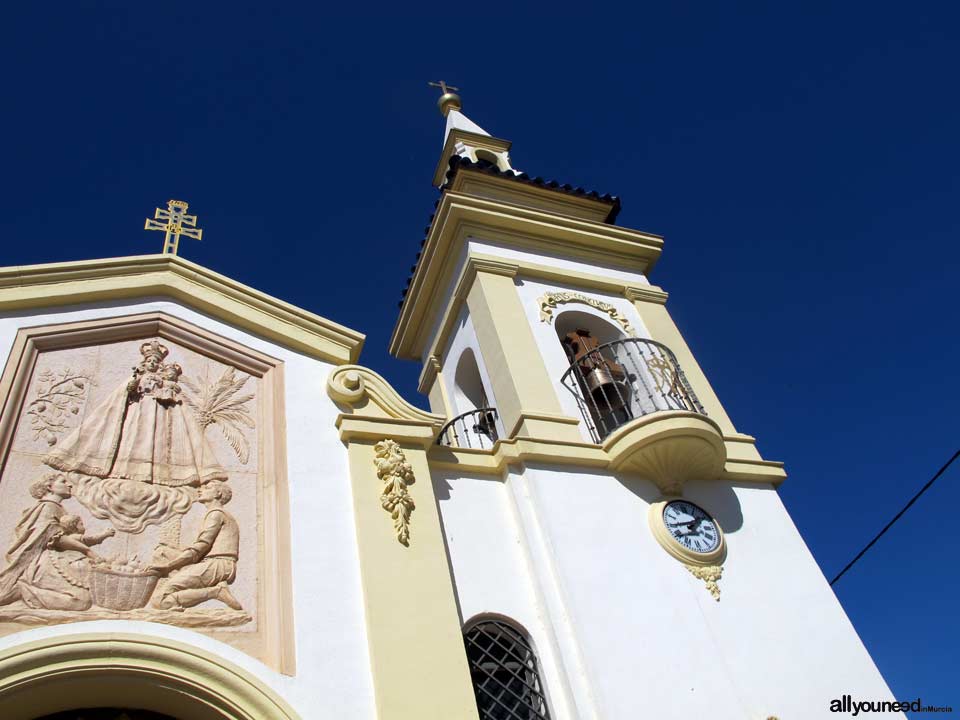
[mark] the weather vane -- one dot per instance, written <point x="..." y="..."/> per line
<point x="175" y="222"/>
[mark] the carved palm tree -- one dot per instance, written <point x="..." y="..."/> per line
<point x="219" y="404"/>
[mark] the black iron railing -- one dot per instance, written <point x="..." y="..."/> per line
<point x="475" y="429"/>
<point x="625" y="379"/>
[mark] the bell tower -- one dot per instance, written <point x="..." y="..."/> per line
<point x="599" y="507"/>
<point x="533" y="317"/>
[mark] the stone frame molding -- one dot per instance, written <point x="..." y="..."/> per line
<point x="273" y="640"/>
<point x="74" y="671"/>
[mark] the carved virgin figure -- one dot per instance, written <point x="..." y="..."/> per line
<point x="141" y="432"/>
<point x="139" y="455"/>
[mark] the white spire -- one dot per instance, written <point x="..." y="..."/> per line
<point x="456" y="120"/>
<point x="463" y="137"/>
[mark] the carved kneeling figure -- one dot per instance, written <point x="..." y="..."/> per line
<point x="59" y="579"/>
<point x="203" y="570"/>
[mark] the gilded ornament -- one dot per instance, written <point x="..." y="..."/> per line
<point x="549" y="301"/>
<point x="175" y="222"/>
<point x="710" y="574"/>
<point x="397" y="475"/>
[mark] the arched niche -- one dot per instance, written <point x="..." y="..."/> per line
<point x="571" y="320"/>
<point x="490" y="157"/>
<point x="468" y="385"/>
<point x="599" y="375"/>
<point x="73" y="672"/>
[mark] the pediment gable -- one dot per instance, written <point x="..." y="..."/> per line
<point x="90" y="281"/>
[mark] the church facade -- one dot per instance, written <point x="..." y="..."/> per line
<point x="209" y="509"/>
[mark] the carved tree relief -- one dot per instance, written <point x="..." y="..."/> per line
<point x="117" y="497"/>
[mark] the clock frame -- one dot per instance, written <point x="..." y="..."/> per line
<point x="689" y="557"/>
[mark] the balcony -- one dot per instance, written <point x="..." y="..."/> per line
<point x="476" y="430"/>
<point x="626" y="379"/>
<point x="637" y="403"/>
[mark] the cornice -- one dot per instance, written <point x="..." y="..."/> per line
<point x="649" y="293"/>
<point x="27" y="287"/>
<point x="429" y="373"/>
<point x="508" y="189"/>
<point x="461" y="216"/>
<point x="522" y="450"/>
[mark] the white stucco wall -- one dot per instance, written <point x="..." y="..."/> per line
<point x="333" y="669"/>
<point x="572" y="267"/>
<point x="624" y="630"/>
<point x="656" y="644"/>
<point x="495" y="571"/>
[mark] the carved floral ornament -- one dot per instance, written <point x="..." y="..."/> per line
<point x="710" y="574"/>
<point x="397" y="475"/>
<point x="549" y="302"/>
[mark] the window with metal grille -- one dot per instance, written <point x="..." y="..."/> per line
<point x="506" y="679"/>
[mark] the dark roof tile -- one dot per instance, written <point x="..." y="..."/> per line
<point x="484" y="166"/>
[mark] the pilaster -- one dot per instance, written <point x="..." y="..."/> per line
<point x="525" y="394"/>
<point x="418" y="662"/>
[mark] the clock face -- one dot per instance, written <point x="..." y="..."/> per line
<point x="691" y="526"/>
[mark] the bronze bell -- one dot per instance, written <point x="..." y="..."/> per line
<point x="487" y="424"/>
<point x="606" y="392"/>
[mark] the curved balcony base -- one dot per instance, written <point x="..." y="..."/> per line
<point x="669" y="448"/>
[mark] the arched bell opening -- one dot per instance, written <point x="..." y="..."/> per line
<point x="475" y="425"/>
<point x="490" y="157"/>
<point x="616" y="378"/>
<point x="597" y="379"/>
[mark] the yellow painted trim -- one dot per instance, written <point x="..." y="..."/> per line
<point x="460" y="216"/>
<point x="670" y="448"/>
<point x="433" y="386"/>
<point x="364" y="390"/>
<point x="409" y="597"/>
<point x="509" y="191"/>
<point x="525" y="396"/>
<point x="519" y="450"/>
<point x="123" y="669"/>
<point x="524" y="269"/>
<point x="38" y="286"/>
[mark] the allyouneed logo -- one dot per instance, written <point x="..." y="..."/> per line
<point x="855" y="707"/>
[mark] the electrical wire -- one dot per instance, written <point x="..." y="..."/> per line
<point x="896" y="517"/>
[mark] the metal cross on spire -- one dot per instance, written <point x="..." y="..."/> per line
<point x="444" y="88"/>
<point x="175" y="222"/>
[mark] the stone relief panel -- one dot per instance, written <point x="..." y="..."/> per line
<point x="130" y="490"/>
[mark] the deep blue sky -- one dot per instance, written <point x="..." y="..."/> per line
<point x="802" y="164"/>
